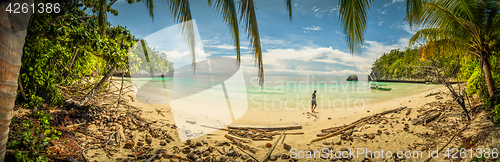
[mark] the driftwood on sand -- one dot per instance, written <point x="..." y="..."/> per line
<point x="266" y="157"/>
<point x="240" y="144"/>
<point x="266" y="127"/>
<point x="427" y="118"/>
<point x="237" y="138"/>
<point x="356" y="123"/>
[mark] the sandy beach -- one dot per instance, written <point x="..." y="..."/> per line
<point x="385" y="133"/>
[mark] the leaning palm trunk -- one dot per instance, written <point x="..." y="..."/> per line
<point x="490" y="84"/>
<point x="12" y="34"/>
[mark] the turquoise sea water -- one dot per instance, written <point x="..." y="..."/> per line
<point x="287" y="92"/>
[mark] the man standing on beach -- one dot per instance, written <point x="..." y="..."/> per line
<point x="313" y="102"/>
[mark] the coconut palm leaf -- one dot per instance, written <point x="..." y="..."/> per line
<point x="150" y="6"/>
<point x="289" y="8"/>
<point x="227" y="9"/>
<point x="353" y="15"/>
<point x="437" y="34"/>
<point x="182" y="15"/>
<point x="249" y="18"/>
<point x="413" y="11"/>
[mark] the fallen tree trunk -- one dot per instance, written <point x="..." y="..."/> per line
<point x="356" y="123"/>
<point x="91" y="94"/>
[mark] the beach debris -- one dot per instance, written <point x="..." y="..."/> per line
<point x="240" y="144"/>
<point x="129" y="145"/>
<point x="273" y="158"/>
<point x="268" y="145"/>
<point x="265" y="127"/>
<point x="344" y="149"/>
<point x="379" y="132"/>
<point x="223" y="158"/>
<point x="149" y="139"/>
<point x="369" y="136"/>
<point x="381" y="126"/>
<point x="237" y="139"/>
<point x="339" y="143"/>
<point x="387" y="132"/>
<point x="204" y="141"/>
<point x="188" y="133"/>
<point x="287" y="147"/>
<point x="408" y="111"/>
<point x="427" y="118"/>
<point x="269" y="153"/>
<point x="432" y="94"/>
<point x="163" y="143"/>
<point x="245" y="156"/>
<point x="326" y="143"/>
<point x="358" y="122"/>
<point x="191" y="121"/>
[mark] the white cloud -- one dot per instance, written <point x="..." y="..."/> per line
<point x="224" y="46"/>
<point x="380" y="23"/>
<point x="406" y="27"/>
<point x="329" y="10"/>
<point x="312" y="28"/>
<point x="395" y="1"/>
<point x="321" y="60"/>
<point x="384" y="12"/>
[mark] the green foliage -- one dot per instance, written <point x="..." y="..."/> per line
<point x="158" y="62"/>
<point x="33" y="136"/>
<point x="398" y="64"/>
<point x="53" y="41"/>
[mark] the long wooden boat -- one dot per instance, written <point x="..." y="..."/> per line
<point x="381" y="88"/>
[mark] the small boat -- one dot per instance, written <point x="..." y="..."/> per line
<point x="381" y="87"/>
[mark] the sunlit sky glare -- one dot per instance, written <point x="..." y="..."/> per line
<point x="312" y="44"/>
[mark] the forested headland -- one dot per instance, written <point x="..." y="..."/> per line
<point x="417" y="64"/>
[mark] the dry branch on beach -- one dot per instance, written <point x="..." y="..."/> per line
<point x="240" y="144"/>
<point x="356" y="123"/>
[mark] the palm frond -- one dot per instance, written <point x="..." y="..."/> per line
<point x="437" y="34"/>
<point x="493" y="21"/>
<point x="441" y="47"/>
<point x="289" y="8"/>
<point x="413" y="11"/>
<point x="182" y="15"/>
<point x="440" y="14"/>
<point x="353" y="15"/>
<point x="150" y="6"/>
<point x="249" y="18"/>
<point x="227" y="9"/>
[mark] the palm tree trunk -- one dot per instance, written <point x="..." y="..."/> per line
<point x="12" y="34"/>
<point x="489" y="78"/>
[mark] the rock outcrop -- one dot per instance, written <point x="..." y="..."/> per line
<point x="352" y="78"/>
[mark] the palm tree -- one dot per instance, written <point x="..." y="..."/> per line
<point x="461" y="26"/>
<point x="12" y="34"/>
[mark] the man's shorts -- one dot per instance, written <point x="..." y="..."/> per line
<point x="313" y="103"/>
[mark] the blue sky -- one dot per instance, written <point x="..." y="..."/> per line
<point x="312" y="44"/>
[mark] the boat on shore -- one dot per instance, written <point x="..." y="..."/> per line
<point x="381" y="87"/>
